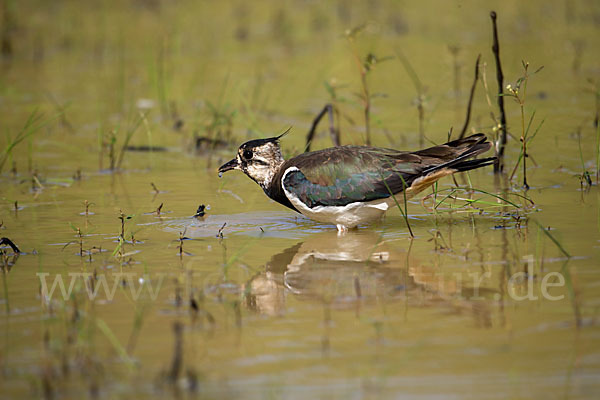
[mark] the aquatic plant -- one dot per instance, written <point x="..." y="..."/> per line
<point x="364" y="65"/>
<point x="585" y="177"/>
<point x="33" y="124"/>
<point x="519" y="93"/>
<point x="108" y="140"/>
<point x="595" y="89"/>
<point x="118" y="251"/>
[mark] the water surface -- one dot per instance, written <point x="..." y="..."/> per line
<point x="255" y="301"/>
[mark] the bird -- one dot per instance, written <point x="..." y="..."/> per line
<point x="352" y="185"/>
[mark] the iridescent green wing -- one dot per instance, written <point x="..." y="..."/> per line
<point x="343" y="175"/>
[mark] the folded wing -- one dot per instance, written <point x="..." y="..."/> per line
<point x="342" y="175"/>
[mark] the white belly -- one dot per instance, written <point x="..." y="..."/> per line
<point x="348" y="216"/>
<point x="344" y="217"/>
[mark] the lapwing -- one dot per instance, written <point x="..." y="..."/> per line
<point x="352" y="185"/>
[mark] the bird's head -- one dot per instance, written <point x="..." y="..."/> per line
<point x="260" y="159"/>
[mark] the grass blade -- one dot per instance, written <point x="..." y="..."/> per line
<point x="404" y="214"/>
<point x="33" y="124"/>
<point x="553" y="239"/>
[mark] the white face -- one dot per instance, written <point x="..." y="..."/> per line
<point x="260" y="163"/>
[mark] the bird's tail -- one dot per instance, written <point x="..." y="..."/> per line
<point x="473" y="164"/>
<point x="456" y="154"/>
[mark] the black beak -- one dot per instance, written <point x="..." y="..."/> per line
<point x="233" y="164"/>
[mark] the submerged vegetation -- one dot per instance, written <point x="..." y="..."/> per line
<point x="129" y="269"/>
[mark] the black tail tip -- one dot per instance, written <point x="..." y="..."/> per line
<point x="474" y="164"/>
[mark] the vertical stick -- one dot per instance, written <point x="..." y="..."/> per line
<point x="311" y="133"/>
<point x="501" y="144"/>
<point x="597" y="152"/>
<point x="335" y="134"/>
<point x="468" y="117"/>
<point x="367" y="106"/>
<point x="421" y="111"/>
<point x="454" y="51"/>
<point x="366" y="97"/>
<point x="420" y="93"/>
<point x="597" y="125"/>
<point x="6" y="46"/>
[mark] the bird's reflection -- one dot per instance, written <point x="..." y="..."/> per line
<point x="360" y="267"/>
<point x="327" y="267"/>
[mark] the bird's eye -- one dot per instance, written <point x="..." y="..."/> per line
<point x="248" y="154"/>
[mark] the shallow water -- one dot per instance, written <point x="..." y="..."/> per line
<point x="255" y="301"/>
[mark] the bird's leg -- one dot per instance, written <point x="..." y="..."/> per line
<point x="341" y="229"/>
